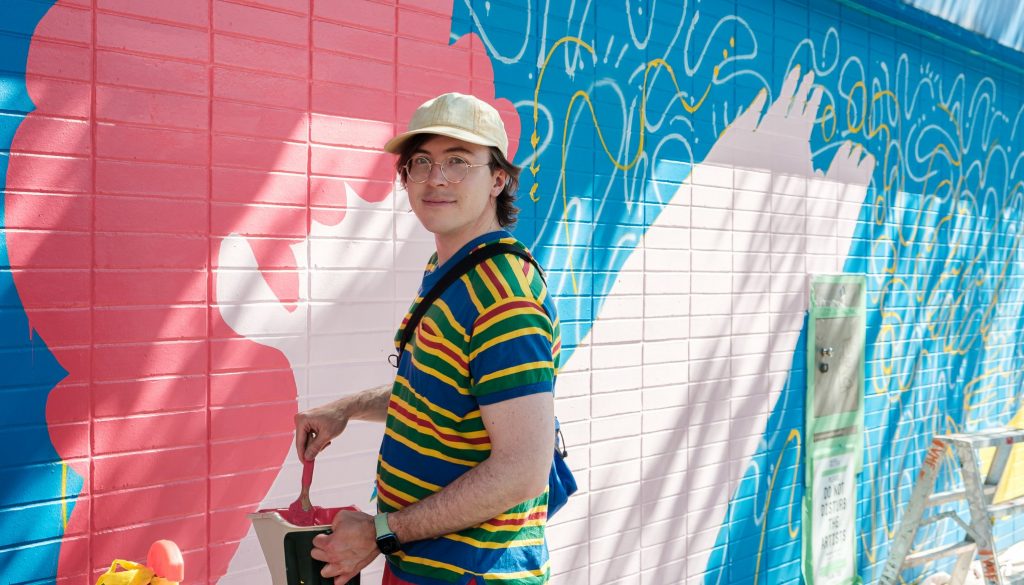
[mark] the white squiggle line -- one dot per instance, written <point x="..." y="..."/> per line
<point x="707" y="44"/>
<point x="545" y="115"/>
<point x="670" y="47"/>
<point x="552" y="207"/>
<point x="973" y="119"/>
<point x="952" y="104"/>
<point x="852" y="62"/>
<point x="622" y="54"/>
<point x="831" y="33"/>
<point x="632" y="29"/>
<point x="1016" y="124"/>
<point x="623" y="143"/>
<point x="608" y="48"/>
<point x="487" y="41"/>
<point x="577" y="63"/>
<point x="749" y="56"/>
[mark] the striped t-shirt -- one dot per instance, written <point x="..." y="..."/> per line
<point x="492" y="335"/>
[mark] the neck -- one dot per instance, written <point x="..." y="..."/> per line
<point x="449" y="244"/>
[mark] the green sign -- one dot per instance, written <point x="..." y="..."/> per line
<point x="834" y="428"/>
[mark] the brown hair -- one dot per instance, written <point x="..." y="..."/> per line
<point x="506" y="208"/>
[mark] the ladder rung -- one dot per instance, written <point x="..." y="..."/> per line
<point x="978" y="440"/>
<point x="1014" y="506"/>
<point x="921" y="557"/>
<point x="940" y="498"/>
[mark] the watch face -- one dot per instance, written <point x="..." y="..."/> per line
<point x="388" y="544"/>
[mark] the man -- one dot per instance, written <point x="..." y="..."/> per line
<point x="469" y="419"/>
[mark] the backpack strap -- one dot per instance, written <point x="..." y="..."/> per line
<point x="456" y="272"/>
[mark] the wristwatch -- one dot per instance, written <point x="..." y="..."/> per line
<point x="387" y="542"/>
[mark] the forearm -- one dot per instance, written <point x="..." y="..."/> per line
<point x="369" y="405"/>
<point x="480" y="494"/>
<point x="316" y="427"/>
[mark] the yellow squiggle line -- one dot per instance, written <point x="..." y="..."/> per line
<point x="793" y="434"/>
<point x="64" y="494"/>
<point x="581" y="94"/>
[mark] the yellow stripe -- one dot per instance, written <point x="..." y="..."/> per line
<point x="508" y="336"/>
<point x="446" y="310"/>
<point x="472" y="294"/>
<point x="536" y="523"/>
<point x="500" y="276"/>
<point x="515" y="370"/>
<point x="425" y="451"/>
<point x="482" y="544"/>
<point x="456" y="569"/>
<point x="440" y="340"/>
<point x="501" y="316"/>
<point x="487" y="283"/>
<point x="518" y="265"/>
<point x="64" y="494"/>
<point x="469" y="435"/>
<point x="398" y="493"/>
<point x="442" y="411"/>
<point x="413" y="480"/>
<point x="393" y="503"/>
<point x="441" y="377"/>
<point x="426" y="430"/>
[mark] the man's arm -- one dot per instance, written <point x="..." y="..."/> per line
<point x="316" y="427"/>
<point x="522" y="432"/>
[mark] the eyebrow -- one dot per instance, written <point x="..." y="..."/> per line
<point x="450" y="150"/>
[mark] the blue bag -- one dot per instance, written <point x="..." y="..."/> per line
<point x="561" y="483"/>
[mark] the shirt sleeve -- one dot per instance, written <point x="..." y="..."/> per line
<point x="511" y="351"/>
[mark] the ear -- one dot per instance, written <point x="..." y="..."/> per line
<point x="499" y="180"/>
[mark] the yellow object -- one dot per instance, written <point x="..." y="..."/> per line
<point x="129" y="574"/>
<point x="1011" y="485"/>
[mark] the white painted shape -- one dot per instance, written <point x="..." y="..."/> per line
<point x="767" y="221"/>
<point x="352" y="261"/>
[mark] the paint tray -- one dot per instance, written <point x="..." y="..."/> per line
<point x="286" y="547"/>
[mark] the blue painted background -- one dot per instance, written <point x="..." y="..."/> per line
<point x="33" y="507"/>
<point x="944" y="311"/>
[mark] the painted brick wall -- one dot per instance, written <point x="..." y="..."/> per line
<point x="201" y="236"/>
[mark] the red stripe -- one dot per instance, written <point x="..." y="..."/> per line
<point x="423" y="341"/>
<point x="519" y="521"/>
<point x="393" y="497"/>
<point x="506" y="307"/>
<point x="426" y="423"/>
<point x="486" y="268"/>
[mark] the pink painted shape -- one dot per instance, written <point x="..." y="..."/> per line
<point x="191" y="421"/>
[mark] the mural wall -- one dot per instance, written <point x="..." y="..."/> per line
<point x="201" y="236"/>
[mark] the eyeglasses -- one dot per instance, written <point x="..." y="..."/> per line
<point x="454" y="169"/>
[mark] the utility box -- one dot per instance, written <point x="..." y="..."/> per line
<point x="834" y="427"/>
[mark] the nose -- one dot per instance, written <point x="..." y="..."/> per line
<point x="436" y="177"/>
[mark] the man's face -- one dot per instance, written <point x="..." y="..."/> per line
<point x="456" y="212"/>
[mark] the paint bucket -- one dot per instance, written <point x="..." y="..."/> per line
<point x="286" y="547"/>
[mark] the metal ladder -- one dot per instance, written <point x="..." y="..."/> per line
<point x="979" y="494"/>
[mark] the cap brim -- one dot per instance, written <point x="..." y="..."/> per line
<point x="394" y="146"/>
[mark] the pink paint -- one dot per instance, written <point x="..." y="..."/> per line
<point x="189" y="423"/>
<point x="316" y="516"/>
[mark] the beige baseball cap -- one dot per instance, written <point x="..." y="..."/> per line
<point x="459" y="116"/>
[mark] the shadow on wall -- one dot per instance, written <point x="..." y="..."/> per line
<point x="130" y="207"/>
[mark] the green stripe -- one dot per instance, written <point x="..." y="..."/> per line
<point x="426" y="441"/>
<point x="464" y="426"/>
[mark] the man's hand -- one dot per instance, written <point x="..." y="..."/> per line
<point x="352" y="546"/>
<point x="315" y="428"/>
